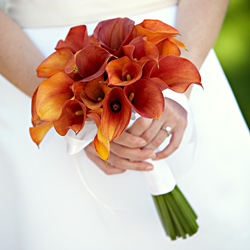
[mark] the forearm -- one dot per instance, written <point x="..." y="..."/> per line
<point x="19" y="57"/>
<point x="199" y="23"/>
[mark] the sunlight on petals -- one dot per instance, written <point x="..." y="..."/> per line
<point x="54" y="63"/>
<point x="51" y="95"/>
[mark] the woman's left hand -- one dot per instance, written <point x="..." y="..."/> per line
<point x="174" y="117"/>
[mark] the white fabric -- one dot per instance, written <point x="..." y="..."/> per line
<point x="45" y="206"/>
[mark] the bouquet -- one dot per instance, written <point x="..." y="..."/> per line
<point x="103" y="77"/>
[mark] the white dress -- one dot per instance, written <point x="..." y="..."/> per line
<point x="45" y="206"/>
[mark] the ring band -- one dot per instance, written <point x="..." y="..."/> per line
<point x="167" y="129"/>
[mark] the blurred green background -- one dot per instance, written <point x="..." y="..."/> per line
<point x="233" y="50"/>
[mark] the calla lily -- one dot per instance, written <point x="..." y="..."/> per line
<point x="94" y="93"/>
<point x="91" y="62"/>
<point x="72" y="117"/>
<point x="38" y="132"/>
<point x="51" y="95"/>
<point x="123" y="71"/>
<point x="141" y="50"/>
<point x="114" y="33"/>
<point x="178" y="73"/>
<point x="54" y="63"/>
<point x="76" y="39"/>
<point x="102" y="145"/>
<point x="116" y="114"/>
<point x="155" y="30"/>
<point x="170" y="46"/>
<point x="78" y="88"/>
<point x="139" y="95"/>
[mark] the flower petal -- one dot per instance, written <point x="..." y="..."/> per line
<point x="147" y="99"/>
<point x="123" y="71"/>
<point x="155" y="30"/>
<point x="51" y="95"/>
<point x="91" y="62"/>
<point x="76" y="39"/>
<point x="102" y="145"/>
<point x="72" y="117"/>
<point x="114" y="33"/>
<point x="167" y="47"/>
<point x="38" y="132"/>
<point x="178" y="73"/>
<point x="54" y="63"/>
<point x="94" y="93"/>
<point x="116" y="114"/>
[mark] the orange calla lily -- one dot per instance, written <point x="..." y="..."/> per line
<point x="94" y="93"/>
<point x="116" y="114"/>
<point x="178" y="73"/>
<point x="170" y="46"/>
<point x="35" y="117"/>
<point x="54" y="63"/>
<point x="102" y="144"/>
<point x="38" y="132"/>
<point x="72" y="117"/>
<point x="114" y="33"/>
<point x="91" y="62"/>
<point x="76" y="39"/>
<point x="139" y="95"/>
<point x="142" y="50"/>
<point x="155" y="30"/>
<point x="51" y="95"/>
<point x="78" y="88"/>
<point x="123" y="71"/>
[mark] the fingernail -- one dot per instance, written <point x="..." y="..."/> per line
<point x="142" y="143"/>
<point x="149" y="168"/>
<point x="152" y="155"/>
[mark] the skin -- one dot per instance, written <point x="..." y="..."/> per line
<point x="19" y="60"/>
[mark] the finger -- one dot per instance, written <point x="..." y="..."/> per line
<point x="129" y="140"/>
<point x="172" y="146"/>
<point x="125" y="164"/>
<point x="140" y="126"/>
<point x="102" y="165"/>
<point x="135" y="154"/>
<point x="152" y="131"/>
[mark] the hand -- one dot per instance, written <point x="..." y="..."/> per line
<point x="174" y="116"/>
<point x="125" y="153"/>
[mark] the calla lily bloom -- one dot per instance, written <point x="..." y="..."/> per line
<point x="170" y="46"/>
<point x="94" y="93"/>
<point x="123" y="71"/>
<point x="139" y="95"/>
<point x="116" y="114"/>
<point x="51" y="95"/>
<point x="76" y="39"/>
<point x="38" y="132"/>
<point x="78" y="88"/>
<point x="141" y="50"/>
<point x="54" y="63"/>
<point x="155" y="30"/>
<point x="114" y="33"/>
<point x="102" y="145"/>
<point x="72" y="117"/>
<point x="91" y="62"/>
<point x="178" y="73"/>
